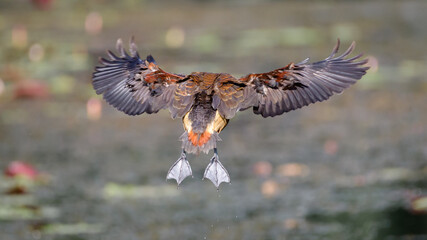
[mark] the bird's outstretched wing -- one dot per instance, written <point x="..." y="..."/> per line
<point x="135" y="86"/>
<point x="298" y="85"/>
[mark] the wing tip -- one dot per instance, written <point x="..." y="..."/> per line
<point x="150" y="59"/>
<point x="335" y="49"/>
<point x="133" y="49"/>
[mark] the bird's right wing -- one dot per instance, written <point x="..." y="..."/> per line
<point x="135" y="86"/>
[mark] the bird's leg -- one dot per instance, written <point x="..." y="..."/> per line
<point x="180" y="169"/>
<point x="216" y="172"/>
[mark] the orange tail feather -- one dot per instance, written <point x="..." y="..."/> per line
<point x="199" y="139"/>
<point x="204" y="138"/>
<point x="193" y="138"/>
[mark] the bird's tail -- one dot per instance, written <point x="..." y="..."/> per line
<point x="199" y="142"/>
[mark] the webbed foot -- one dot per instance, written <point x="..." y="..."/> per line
<point x="216" y="172"/>
<point x="180" y="169"/>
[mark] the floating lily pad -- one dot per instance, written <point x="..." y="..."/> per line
<point x="420" y="204"/>
<point x="396" y="174"/>
<point x="114" y="190"/>
<point x="27" y="212"/>
<point x="16" y="200"/>
<point x="74" y="228"/>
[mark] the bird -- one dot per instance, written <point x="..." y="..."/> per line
<point x="207" y="101"/>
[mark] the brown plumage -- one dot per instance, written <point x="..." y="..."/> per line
<point x="206" y="101"/>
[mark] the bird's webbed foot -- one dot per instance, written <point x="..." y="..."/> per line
<point x="180" y="169"/>
<point x="216" y="172"/>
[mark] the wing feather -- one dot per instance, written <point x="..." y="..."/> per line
<point x="134" y="85"/>
<point x="298" y="85"/>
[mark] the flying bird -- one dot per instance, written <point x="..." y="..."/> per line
<point x="207" y="101"/>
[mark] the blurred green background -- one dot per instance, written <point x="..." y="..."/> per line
<point x="354" y="167"/>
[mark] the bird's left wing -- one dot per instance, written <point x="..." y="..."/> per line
<point x="230" y="95"/>
<point x="135" y="86"/>
<point x="298" y="85"/>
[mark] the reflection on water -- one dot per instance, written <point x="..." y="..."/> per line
<point x="351" y="168"/>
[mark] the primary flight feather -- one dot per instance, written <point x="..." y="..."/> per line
<point x="207" y="101"/>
